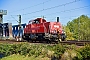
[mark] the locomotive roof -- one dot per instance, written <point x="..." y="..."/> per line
<point x="38" y="19"/>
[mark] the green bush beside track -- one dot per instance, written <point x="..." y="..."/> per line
<point x="50" y="51"/>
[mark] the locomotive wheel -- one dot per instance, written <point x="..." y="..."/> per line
<point x="63" y="37"/>
<point x="26" y="38"/>
<point x="23" y="37"/>
<point x="48" y="41"/>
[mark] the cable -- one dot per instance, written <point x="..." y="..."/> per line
<point x="53" y="7"/>
<point x="31" y="6"/>
<point x="14" y="18"/>
<point x="66" y="10"/>
<point x="71" y="17"/>
<point x="69" y="10"/>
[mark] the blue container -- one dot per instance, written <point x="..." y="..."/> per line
<point x="16" y="30"/>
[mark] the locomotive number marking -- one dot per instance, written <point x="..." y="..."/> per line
<point x="56" y="26"/>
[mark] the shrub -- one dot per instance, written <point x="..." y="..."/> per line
<point x="85" y="52"/>
<point x="46" y="50"/>
<point x="58" y="50"/>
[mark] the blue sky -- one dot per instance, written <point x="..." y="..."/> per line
<point x="31" y="9"/>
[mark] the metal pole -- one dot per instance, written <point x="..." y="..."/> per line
<point x="19" y="24"/>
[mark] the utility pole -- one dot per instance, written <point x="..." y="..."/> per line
<point x="19" y="24"/>
<point x="43" y="17"/>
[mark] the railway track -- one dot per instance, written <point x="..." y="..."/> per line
<point x="10" y="41"/>
<point x="79" y="43"/>
<point x="70" y="42"/>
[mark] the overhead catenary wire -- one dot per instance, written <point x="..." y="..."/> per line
<point x="69" y="10"/>
<point x="73" y="16"/>
<point x="60" y="11"/>
<point x="53" y="7"/>
<point x="31" y="6"/>
<point x="14" y="18"/>
<point x="59" y="6"/>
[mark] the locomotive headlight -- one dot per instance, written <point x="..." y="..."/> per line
<point x="63" y="32"/>
<point x="54" y="31"/>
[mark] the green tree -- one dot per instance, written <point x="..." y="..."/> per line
<point x="69" y="35"/>
<point x="80" y="27"/>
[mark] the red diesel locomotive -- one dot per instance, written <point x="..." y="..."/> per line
<point x="41" y="30"/>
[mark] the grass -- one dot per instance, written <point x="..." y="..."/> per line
<point x="20" y="57"/>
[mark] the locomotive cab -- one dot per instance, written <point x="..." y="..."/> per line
<point x="37" y="21"/>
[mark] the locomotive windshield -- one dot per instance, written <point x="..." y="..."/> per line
<point x="34" y="22"/>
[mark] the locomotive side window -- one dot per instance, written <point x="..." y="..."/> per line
<point x="33" y="22"/>
<point x="37" y="22"/>
<point x="30" y="22"/>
